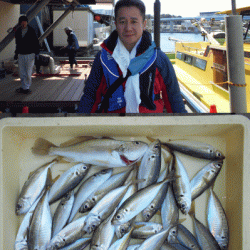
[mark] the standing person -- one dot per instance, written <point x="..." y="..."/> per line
<point x="27" y="47"/>
<point x="72" y="47"/>
<point x="147" y="81"/>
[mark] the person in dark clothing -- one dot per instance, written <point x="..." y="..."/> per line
<point x="147" y="80"/>
<point x="27" y="47"/>
<point x="72" y="47"/>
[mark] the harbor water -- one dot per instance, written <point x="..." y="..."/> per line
<point x="169" y="46"/>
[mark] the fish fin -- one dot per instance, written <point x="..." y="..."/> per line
<point x="42" y="146"/>
<point x="192" y="210"/>
<point x="181" y="220"/>
<point x="49" y="181"/>
<point x="151" y="139"/>
<point x="76" y="140"/>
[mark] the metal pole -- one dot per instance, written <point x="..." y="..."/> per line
<point x="236" y="64"/>
<point x="53" y="25"/>
<point x="30" y="16"/>
<point x="233" y="7"/>
<point x="157" y="17"/>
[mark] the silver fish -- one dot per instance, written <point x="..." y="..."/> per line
<point x="21" y="242"/>
<point x="113" y="182"/>
<point x="205" y="178"/>
<point x="104" y="208"/>
<point x="205" y="239"/>
<point x="122" y="243"/>
<point x="195" y="149"/>
<point x="103" y="235"/>
<point x="155" y="242"/>
<point x="156" y="204"/>
<point x="62" y="213"/>
<point x="182" y="187"/>
<point x="87" y="188"/>
<point x="217" y="221"/>
<point x="167" y="246"/>
<point x="69" y="234"/>
<point x="78" y="245"/>
<point x="150" y="166"/>
<point x="99" y="152"/>
<point x="138" y="201"/>
<point x="186" y="238"/>
<point x="170" y="214"/>
<point x="143" y="230"/>
<point x="41" y="225"/>
<point x="67" y="181"/>
<point x="33" y="188"/>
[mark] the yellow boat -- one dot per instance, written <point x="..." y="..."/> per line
<point x="201" y="69"/>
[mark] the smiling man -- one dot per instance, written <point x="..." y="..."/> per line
<point x="129" y="74"/>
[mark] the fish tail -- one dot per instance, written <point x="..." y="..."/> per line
<point x="192" y="210"/>
<point x="42" y="147"/>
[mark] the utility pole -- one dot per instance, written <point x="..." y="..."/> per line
<point x="157" y="17"/>
<point x="235" y="62"/>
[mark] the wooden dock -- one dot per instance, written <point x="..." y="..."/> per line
<point x="49" y="92"/>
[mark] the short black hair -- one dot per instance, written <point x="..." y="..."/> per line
<point x="130" y="3"/>
<point x="22" y="18"/>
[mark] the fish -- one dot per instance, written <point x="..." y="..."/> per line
<point x="113" y="182"/>
<point x="170" y="214"/>
<point x="195" y="149"/>
<point x="205" y="178"/>
<point x="33" y="188"/>
<point x="88" y="187"/>
<point x="104" y="208"/>
<point x="186" y="238"/>
<point x="103" y="235"/>
<point x="156" y="241"/>
<point x="156" y="204"/>
<point x="150" y="166"/>
<point x="100" y="152"/>
<point x="62" y="212"/>
<point x="78" y="244"/>
<point x="204" y="237"/>
<point x="138" y="201"/>
<point x="217" y="220"/>
<point x="143" y="230"/>
<point x="69" y="234"/>
<point x="167" y="246"/>
<point x="181" y="186"/>
<point x="122" y="243"/>
<point x="21" y="242"/>
<point x="40" y="229"/>
<point x="68" y="181"/>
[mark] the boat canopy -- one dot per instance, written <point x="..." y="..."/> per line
<point x="245" y="11"/>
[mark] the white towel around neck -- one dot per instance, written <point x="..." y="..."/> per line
<point x="132" y="87"/>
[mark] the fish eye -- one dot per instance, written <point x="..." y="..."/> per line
<point x="210" y="151"/>
<point x="93" y="226"/>
<point x="122" y="230"/>
<point x="192" y="246"/>
<point x="99" y="217"/>
<point x="86" y="206"/>
<point x="84" y="167"/>
<point x="18" y="206"/>
<point x="137" y="143"/>
<point x="148" y="215"/>
<point x="93" y="199"/>
<point x="118" y="216"/>
<point x="152" y="206"/>
<point x="182" y="205"/>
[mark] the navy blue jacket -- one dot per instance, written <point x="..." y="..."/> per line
<point x="158" y="83"/>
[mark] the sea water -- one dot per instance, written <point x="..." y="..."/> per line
<point x="169" y="46"/>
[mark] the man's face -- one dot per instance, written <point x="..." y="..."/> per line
<point x="129" y="25"/>
<point x="24" y="24"/>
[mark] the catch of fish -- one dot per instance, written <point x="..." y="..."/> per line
<point x="122" y="194"/>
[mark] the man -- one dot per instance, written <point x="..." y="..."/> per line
<point x="72" y="47"/>
<point x="27" y="47"/>
<point x="146" y="78"/>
